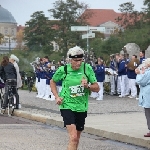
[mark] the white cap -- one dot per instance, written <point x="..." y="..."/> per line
<point x="75" y="51"/>
<point x="147" y="61"/>
<point x="12" y="56"/>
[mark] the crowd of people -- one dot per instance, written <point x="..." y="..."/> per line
<point x="120" y="74"/>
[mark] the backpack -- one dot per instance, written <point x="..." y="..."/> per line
<point x="65" y="69"/>
<point x="2" y="84"/>
<point x="3" y="75"/>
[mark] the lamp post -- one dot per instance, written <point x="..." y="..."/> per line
<point x="9" y="44"/>
<point x="87" y="39"/>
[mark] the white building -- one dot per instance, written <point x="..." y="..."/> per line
<point x="8" y="27"/>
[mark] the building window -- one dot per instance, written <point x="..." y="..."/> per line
<point x="6" y="31"/>
<point x="12" y="32"/>
<point x="110" y="30"/>
<point x="56" y="47"/>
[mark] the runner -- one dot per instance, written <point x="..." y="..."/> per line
<point x="73" y="98"/>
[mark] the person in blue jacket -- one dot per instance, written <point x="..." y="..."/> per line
<point x="49" y="74"/>
<point x="132" y="76"/>
<point x="142" y="56"/>
<point x="113" y="77"/>
<point x="122" y="76"/>
<point x="100" y="76"/>
<point x="143" y="79"/>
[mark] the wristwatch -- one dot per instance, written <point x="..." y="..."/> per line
<point x="89" y="85"/>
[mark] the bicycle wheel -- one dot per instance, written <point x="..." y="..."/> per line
<point x="11" y="105"/>
<point x="30" y="86"/>
<point x="1" y="100"/>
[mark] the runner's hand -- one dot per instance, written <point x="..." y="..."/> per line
<point x="59" y="100"/>
<point x="84" y="82"/>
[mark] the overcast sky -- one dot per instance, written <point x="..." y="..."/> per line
<point x="23" y="9"/>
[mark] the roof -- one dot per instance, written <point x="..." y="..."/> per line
<point x="20" y="27"/>
<point x="6" y="16"/>
<point x="100" y="16"/>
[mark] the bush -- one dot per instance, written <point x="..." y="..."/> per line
<point x="27" y="56"/>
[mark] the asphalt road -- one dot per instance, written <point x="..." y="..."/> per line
<point x="22" y="134"/>
<point x="4" y="119"/>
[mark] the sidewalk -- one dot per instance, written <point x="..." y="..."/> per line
<point x="126" y="124"/>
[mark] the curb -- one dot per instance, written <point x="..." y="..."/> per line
<point x="106" y="134"/>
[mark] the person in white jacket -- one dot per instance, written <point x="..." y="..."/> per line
<point x="14" y="59"/>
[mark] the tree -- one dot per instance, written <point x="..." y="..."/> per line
<point x="69" y="13"/>
<point x="1" y="38"/>
<point x="19" y="39"/>
<point x="38" y="33"/>
<point x="129" y="17"/>
<point x="147" y="9"/>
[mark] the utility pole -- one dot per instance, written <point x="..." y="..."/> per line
<point x="9" y="44"/>
<point x="87" y="39"/>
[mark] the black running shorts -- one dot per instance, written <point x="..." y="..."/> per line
<point x="72" y="117"/>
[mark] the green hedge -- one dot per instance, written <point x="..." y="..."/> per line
<point x="26" y="57"/>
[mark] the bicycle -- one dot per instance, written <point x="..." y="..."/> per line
<point x="23" y="75"/>
<point x="30" y="81"/>
<point x="12" y="103"/>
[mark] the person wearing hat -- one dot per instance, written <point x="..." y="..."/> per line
<point x="14" y="60"/>
<point x="143" y="79"/>
<point x="78" y="79"/>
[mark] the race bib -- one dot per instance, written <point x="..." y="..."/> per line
<point x="76" y="91"/>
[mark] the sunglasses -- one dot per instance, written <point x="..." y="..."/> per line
<point x="77" y="60"/>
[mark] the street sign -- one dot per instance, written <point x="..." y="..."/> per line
<point x="87" y="28"/>
<point x="101" y="29"/>
<point x="89" y="35"/>
<point x="79" y="28"/>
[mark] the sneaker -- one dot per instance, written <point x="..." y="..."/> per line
<point x="41" y="96"/>
<point x="48" y="99"/>
<point x="99" y="99"/>
<point x="131" y="96"/>
<point x="120" y="96"/>
<point x="52" y="98"/>
<point x="137" y="98"/>
<point x="37" y="96"/>
<point x="45" y="97"/>
<point x="147" y="135"/>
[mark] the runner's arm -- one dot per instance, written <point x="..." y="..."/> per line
<point x="54" y="88"/>
<point x="93" y="87"/>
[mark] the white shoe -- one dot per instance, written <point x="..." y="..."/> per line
<point x="99" y="99"/>
<point x="131" y="96"/>
<point x="137" y="98"/>
<point x="121" y="96"/>
<point x="93" y="96"/>
<point x="37" y="96"/>
<point x="41" y="96"/>
<point x="48" y="99"/>
<point x="52" y="98"/>
<point x="45" y="97"/>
